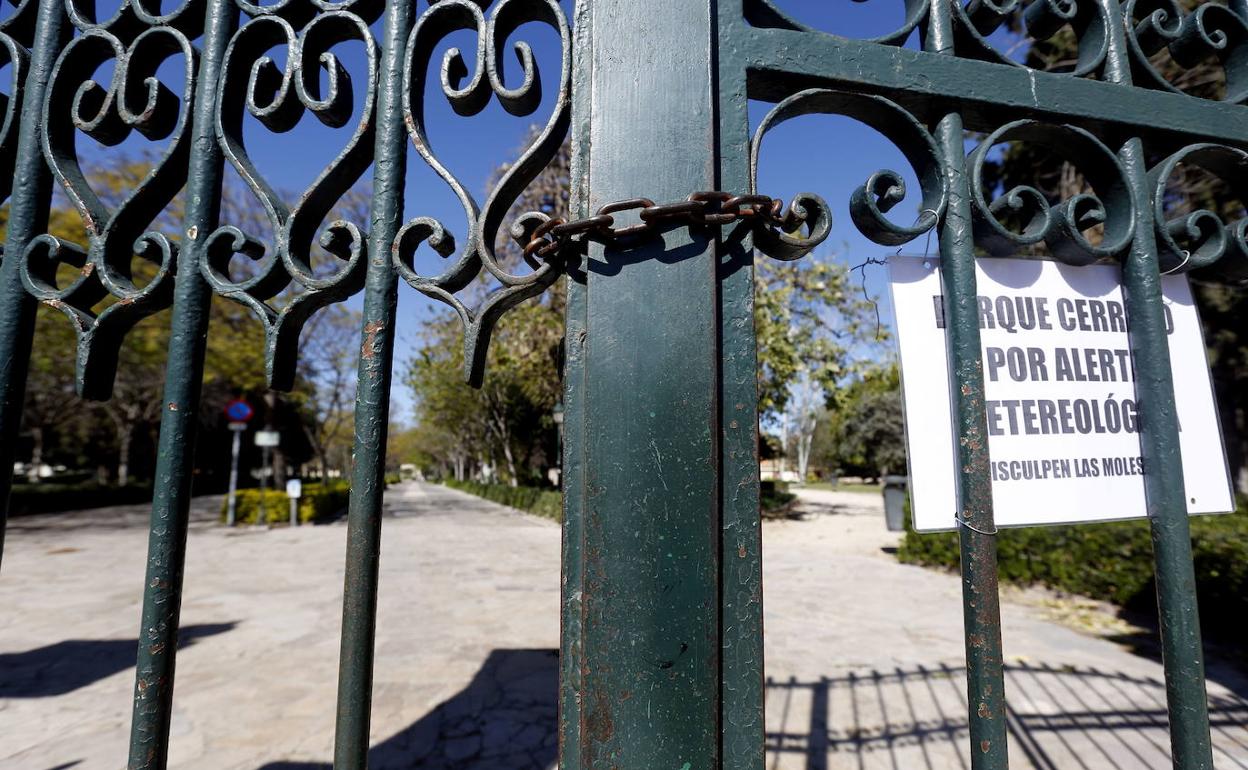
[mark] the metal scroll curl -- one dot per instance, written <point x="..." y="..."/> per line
<point x="1063" y="226"/>
<point x="870" y="203"/>
<point x="15" y="56"/>
<point x="1042" y="19"/>
<point x="763" y="13"/>
<point x="131" y="17"/>
<point x="278" y="97"/>
<point x="469" y="91"/>
<point x="1200" y="241"/>
<point x="134" y="100"/>
<point x="1211" y="32"/>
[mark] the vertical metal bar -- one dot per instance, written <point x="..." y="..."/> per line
<point x="981" y="601"/>
<point x="572" y="457"/>
<point x="649" y="646"/>
<point x="742" y="689"/>
<point x="372" y="404"/>
<point x="171" y="499"/>
<point x="1181" y="650"/>
<point x="28" y="217"/>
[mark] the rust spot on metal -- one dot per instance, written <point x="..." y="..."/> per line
<point x="88" y="269"/>
<point x="173" y="406"/>
<point x="984" y="746"/>
<point x="977" y="640"/>
<point x="984" y="711"/>
<point x="157" y="648"/>
<point x="371" y="330"/>
<point x="966" y="389"/>
<point x="741" y="551"/>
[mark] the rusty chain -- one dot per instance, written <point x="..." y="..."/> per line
<point x="699" y="209"/>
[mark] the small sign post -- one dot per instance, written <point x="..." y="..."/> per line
<point x="266" y="440"/>
<point x="294" y="490"/>
<point x="239" y="412"/>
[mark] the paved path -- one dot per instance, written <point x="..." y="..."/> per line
<point x="863" y="654"/>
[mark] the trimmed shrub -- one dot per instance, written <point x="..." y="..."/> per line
<point x="319" y="501"/>
<point x="54" y="497"/>
<point x="547" y="503"/>
<point x="1111" y="561"/>
<point x="774" y="497"/>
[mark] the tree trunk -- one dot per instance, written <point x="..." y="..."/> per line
<point x="511" y="464"/>
<point x="36" y="455"/>
<point x="123" y="457"/>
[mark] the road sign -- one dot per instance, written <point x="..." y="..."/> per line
<point x="294" y="488"/>
<point x="238" y="410"/>
<point x="268" y="438"/>
<point x="238" y="427"/>
<point x="1059" y="392"/>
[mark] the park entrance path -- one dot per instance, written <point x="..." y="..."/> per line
<point x="863" y="659"/>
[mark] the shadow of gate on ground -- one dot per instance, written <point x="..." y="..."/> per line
<point x="905" y="719"/>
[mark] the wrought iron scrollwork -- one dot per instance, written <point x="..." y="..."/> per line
<point x="468" y="93"/>
<point x="131" y="17"/>
<point x="763" y="13"/>
<point x="870" y="203"/>
<point x="278" y="97"/>
<point x="1200" y="240"/>
<point x="1063" y="227"/>
<point x="1042" y="20"/>
<point x="15" y="56"/>
<point x="133" y="100"/>
<point x="1210" y="32"/>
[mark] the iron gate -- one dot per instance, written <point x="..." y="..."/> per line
<point x="661" y="359"/>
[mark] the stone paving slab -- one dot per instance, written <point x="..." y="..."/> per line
<point x="864" y="655"/>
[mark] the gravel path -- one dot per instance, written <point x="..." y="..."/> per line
<point x="863" y="656"/>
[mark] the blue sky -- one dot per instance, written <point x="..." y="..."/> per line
<point x="826" y="155"/>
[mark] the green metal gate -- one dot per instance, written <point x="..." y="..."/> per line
<point x="662" y="621"/>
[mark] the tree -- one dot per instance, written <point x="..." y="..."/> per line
<point x="810" y="323"/>
<point x="863" y="433"/>
<point x="328" y="355"/>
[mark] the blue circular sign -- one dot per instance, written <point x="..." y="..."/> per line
<point x="238" y="411"/>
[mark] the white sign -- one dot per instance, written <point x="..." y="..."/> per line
<point x="1059" y="394"/>
<point x="294" y="488"/>
<point x="268" y="438"/>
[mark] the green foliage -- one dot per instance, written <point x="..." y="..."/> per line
<point x="53" y="497"/>
<point x="807" y="317"/>
<point x="863" y="434"/>
<point x="546" y="503"/>
<point x="774" y="496"/>
<point x="1112" y="561"/>
<point x="319" y="502"/>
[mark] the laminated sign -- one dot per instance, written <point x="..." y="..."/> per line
<point x="1063" y="423"/>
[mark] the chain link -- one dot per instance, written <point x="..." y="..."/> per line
<point x="711" y="208"/>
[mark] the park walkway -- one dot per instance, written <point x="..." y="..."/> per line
<point x="864" y="655"/>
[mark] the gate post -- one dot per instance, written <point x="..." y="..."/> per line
<point x="641" y="684"/>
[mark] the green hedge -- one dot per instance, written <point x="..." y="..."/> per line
<point x="546" y="503"/>
<point x="1112" y="561"/>
<point x="318" y="502"/>
<point x="53" y="497"/>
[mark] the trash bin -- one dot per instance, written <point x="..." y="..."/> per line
<point x="895" y="503"/>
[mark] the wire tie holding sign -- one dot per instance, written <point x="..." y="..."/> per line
<point x="1187" y="255"/>
<point x="862" y="266"/>
<point x="964" y="523"/>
